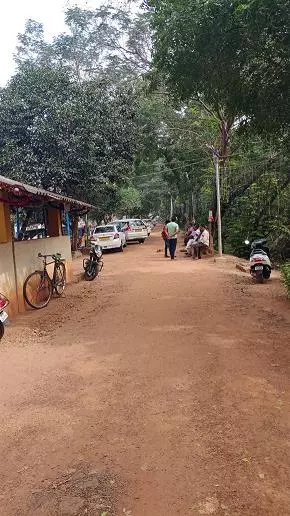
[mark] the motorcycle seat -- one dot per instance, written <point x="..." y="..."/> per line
<point x="258" y="251"/>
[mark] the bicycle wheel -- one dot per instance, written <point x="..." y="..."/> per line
<point x="59" y="278"/>
<point x="37" y="289"/>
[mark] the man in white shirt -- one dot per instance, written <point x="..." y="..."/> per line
<point x="193" y="239"/>
<point x="203" y="242"/>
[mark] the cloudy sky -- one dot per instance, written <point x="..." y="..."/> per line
<point x="16" y="12"/>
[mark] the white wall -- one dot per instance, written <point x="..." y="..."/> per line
<point x="7" y="276"/>
<point x="27" y="261"/>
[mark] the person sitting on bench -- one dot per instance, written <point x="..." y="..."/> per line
<point x="193" y="239"/>
<point x="202" y="243"/>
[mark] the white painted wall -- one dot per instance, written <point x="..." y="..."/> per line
<point x="7" y="276"/>
<point x="27" y="261"/>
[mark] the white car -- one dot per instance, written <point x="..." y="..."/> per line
<point x="135" y="230"/>
<point x="109" y="237"/>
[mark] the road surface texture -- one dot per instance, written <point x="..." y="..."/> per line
<point x="160" y="389"/>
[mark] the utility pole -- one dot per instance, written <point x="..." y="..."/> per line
<point x="171" y="207"/>
<point x="218" y="197"/>
<point x="193" y="207"/>
<point x="215" y="157"/>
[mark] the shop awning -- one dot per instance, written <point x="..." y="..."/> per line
<point x="21" y="194"/>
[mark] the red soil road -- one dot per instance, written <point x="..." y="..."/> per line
<point x="160" y="389"/>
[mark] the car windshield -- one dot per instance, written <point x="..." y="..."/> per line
<point x="137" y="222"/>
<point x="105" y="229"/>
<point x="120" y="222"/>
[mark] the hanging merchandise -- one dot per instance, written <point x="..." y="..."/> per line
<point x="210" y="216"/>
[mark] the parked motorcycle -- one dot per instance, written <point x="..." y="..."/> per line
<point x="3" y="315"/>
<point x="260" y="263"/>
<point x="94" y="264"/>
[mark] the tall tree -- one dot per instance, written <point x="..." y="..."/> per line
<point x="172" y="146"/>
<point x="75" y="139"/>
<point x="105" y="41"/>
<point x="232" y="55"/>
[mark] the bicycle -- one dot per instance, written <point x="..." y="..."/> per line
<point x="39" y="286"/>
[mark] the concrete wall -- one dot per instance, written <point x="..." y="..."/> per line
<point x="27" y="261"/>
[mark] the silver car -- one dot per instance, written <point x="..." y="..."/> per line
<point x="135" y="230"/>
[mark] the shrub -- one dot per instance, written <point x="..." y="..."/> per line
<point x="285" y="271"/>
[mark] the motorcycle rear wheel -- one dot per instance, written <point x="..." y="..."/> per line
<point x="260" y="278"/>
<point x="91" y="272"/>
<point x="1" y="330"/>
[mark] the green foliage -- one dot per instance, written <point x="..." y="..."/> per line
<point x="233" y="59"/>
<point x="285" y="272"/>
<point x="235" y="55"/>
<point x="68" y="117"/>
<point x="129" y="201"/>
<point x="106" y="42"/>
<point x="78" y="139"/>
<point x="259" y="211"/>
<point x="172" y="159"/>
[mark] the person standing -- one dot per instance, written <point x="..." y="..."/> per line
<point x="173" y="230"/>
<point x="164" y="235"/>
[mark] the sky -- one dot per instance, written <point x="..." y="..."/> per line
<point x="13" y="18"/>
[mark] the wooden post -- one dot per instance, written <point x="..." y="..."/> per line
<point x="53" y="222"/>
<point x="210" y="224"/>
<point x="5" y="223"/>
<point x="75" y="220"/>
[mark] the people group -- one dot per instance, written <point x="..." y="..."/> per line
<point x="196" y="239"/>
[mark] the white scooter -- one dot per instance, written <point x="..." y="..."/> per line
<point x="3" y="315"/>
<point x="260" y="263"/>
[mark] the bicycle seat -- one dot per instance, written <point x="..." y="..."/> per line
<point x="40" y="255"/>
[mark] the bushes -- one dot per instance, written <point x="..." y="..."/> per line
<point x="285" y="271"/>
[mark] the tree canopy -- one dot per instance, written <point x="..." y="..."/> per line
<point x="75" y="139"/>
<point x="234" y="55"/>
<point x="232" y="59"/>
<point x="106" y="42"/>
<point x="68" y="116"/>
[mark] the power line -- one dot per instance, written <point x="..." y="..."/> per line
<point x="185" y="160"/>
<point x="172" y="169"/>
<point x="228" y="168"/>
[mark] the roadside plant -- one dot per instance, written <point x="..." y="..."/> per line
<point x="285" y="271"/>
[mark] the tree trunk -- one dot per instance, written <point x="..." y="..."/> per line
<point x="74" y="243"/>
<point x="225" y="126"/>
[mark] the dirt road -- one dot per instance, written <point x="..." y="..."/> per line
<point x="161" y="389"/>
